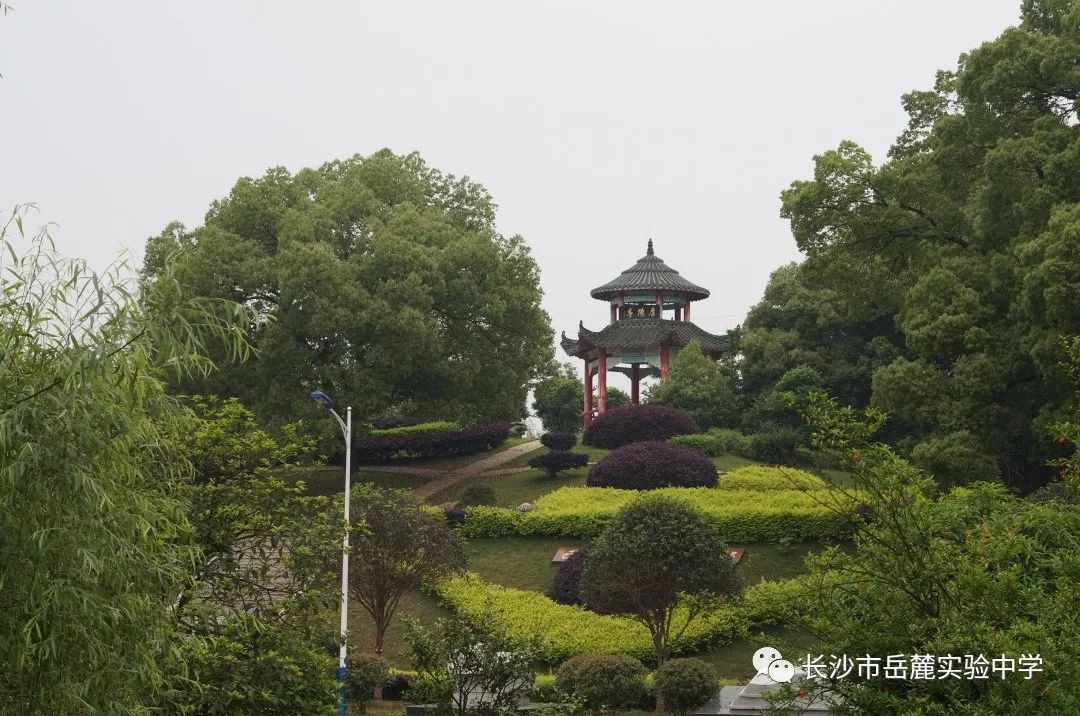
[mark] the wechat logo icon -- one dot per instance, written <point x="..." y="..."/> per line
<point x="767" y="660"/>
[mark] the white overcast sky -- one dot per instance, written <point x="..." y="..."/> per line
<point x="593" y="124"/>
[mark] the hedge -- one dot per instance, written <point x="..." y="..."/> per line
<point x="633" y="423"/>
<point x="717" y="442"/>
<point x="742" y="515"/>
<point x="464" y="441"/>
<point x="563" y="630"/>
<point x="763" y="478"/>
<point x="439" y="426"/>
<point x="652" y="464"/>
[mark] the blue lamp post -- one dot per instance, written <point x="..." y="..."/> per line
<point x="346" y="430"/>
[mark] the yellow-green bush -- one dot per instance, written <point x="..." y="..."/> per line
<point x="762" y="477"/>
<point x="565" y="631"/>
<point x="742" y="515"/>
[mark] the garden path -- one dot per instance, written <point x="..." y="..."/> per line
<point x="484" y="464"/>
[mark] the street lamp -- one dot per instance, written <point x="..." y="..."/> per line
<point x="346" y="430"/>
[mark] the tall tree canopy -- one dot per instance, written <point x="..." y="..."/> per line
<point x="378" y="279"/>
<point x="939" y="284"/>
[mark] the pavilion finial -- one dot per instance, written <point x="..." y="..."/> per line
<point x="649" y="252"/>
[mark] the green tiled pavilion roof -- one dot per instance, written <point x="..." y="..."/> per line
<point x="650" y="273"/>
<point x="641" y="334"/>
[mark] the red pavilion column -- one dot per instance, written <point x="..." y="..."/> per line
<point x="686" y="312"/>
<point x="635" y="378"/>
<point x="587" y="388"/>
<point x="613" y="310"/>
<point x="601" y="378"/>
<point x="665" y="361"/>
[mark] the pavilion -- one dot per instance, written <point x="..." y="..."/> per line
<point x="641" y="339"/>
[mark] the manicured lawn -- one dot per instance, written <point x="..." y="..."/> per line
<point x="518" y="562"/>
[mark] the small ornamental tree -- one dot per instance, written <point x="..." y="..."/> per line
<point x="652" y="464"/>
<point x="701" y="386"/>
<point x="556" y="461"/>
<point x="464" y="666"/>
<point x="558" y="441"/>
<point x="661" y="564"/>
<point x="395" y="545"/>
<point x="633" y="423"/>
<point x="566" y="587"/>
<point x="558" y="400"/>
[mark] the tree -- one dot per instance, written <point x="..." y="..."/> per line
<point x="465" y="667"/>
<point x="94" y="540"/>
<point x="661" y="564"/>
<point x="973" y="570"/>
<point x="396" y="545"/>
<point x="256" y="616"/>
<point x="953" y="259"/>
<point x="558" y="400"/>
<point x="377" y="278"/>
<point x="701" y="386"/>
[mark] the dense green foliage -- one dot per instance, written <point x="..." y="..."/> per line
<point x="604" y="681"/>
<point x="434" y="426"/>
<point x="395" y="545"/>
<point x="717" y="442"/>
<point x="662" y="564"/>
<point x="387" y="283"/>
<point x="95" y="544"/>
<point x="558" y="441"/>
<point x="395" y="444"/>
<point x="364" y="677"/>
<point x="684" y="685"/>
<point x="760" y="514"/>
<point x="938" y="284"/>
<point x="973" y="570"/>
<point x="466" y="666"/>
<point x="701" y="386"/>
<point x="558" y="400"/>
<point x="255" y="618"/>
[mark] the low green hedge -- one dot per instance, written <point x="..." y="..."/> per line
<point x="432" y="427"/>
<point x="765" y="478"/>
<point x="563" y="631"/>
<point x="742" y="515"/>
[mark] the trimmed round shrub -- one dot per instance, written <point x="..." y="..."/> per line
<point x="778" y="445"/>
<point x="603" y="681"/>
<point x="455" y="516"/>
<point x="395" y="687"/>
<point x="478" y="493"/>
<point x="633" y="423"/>
<point x="566" y="587"/>
<point x="684" y="685"/>
<point x="556" y="461"/>
<point x="365" y="673"/>
<point x="558" y="441"/>
<point x="652" y="464"/>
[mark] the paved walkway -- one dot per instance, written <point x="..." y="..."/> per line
<point x="484" y="464"/>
